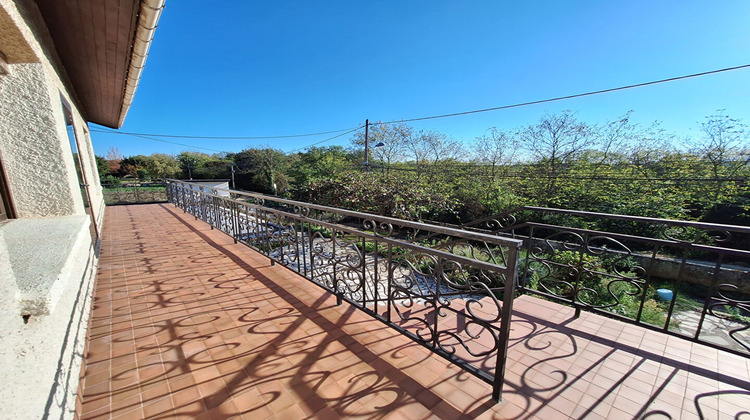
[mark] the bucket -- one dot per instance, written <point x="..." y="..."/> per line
<point x="665" y="294"/>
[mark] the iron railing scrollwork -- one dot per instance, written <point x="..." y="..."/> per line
<point x="134" y="192"/>
<point x="689" y="279"/>
<point x="450" y="290"/>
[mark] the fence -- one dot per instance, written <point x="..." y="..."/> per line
<point x="450" y="290"/>
<point x="684" y="278"/>
<point x="134" y="192"/>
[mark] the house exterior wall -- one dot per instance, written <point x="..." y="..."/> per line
<point x="48" y="255"/>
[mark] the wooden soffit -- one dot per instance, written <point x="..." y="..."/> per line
<point x="94" y="41"/>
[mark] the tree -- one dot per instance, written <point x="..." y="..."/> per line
<point x="725" y="145"/>
<point x="318" y="163"/>
<point x="191" y="163"/>
<point x="113" y="154"/>
<point x="431" y="148"/>
<point x="161" y="165"/>
<point x="554" y="143"/>
<point x="135" y="166"/>
<point x="394" y="138"/>
<point x="264" y="170"/>
<point x="102" y="167"/>
<point x="724" y="149"/>
<point x="416" y="146"/>
<point x="496" y="148"/>
<point x="395" y="195"/>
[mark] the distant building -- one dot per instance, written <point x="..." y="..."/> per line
<point x="62" y="64"/>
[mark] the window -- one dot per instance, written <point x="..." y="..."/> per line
<point x="6" y="207"/>
<point x="75" y="147"/>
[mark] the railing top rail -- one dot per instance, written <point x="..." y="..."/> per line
<point x="624" y="217"/>
<point x="515" y="243"/>
<point x="644" y="239"/>
<point x="484" y="265"/>
<point x="671" y="222"/>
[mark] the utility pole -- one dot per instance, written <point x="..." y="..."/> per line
<point x="232" y="167"/>
<point x="367" y="146"/>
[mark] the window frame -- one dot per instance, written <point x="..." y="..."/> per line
<point x="7" y="209"/>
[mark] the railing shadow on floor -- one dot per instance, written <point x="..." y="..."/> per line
<point x="563" y="340"/>
<point x="683" y="278"/>
<point x="383" y="267"/>
<point x="263" y="365"/>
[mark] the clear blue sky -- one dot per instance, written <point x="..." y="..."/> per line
<point x="265" y="68"/>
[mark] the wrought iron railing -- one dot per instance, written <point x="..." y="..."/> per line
<point x="134" y="192"/>
<point x="689" y="279"/>
<point x="450" y="290"/>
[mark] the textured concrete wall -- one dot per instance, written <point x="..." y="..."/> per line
<point x="37" y="160"/>
<point x="47" y="255"/>
<point x="41" y="358"/>
<point x="31" y="112"/>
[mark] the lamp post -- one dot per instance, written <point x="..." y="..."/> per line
<point x="367" y="145"/>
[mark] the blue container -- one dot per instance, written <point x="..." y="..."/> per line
<point x="665" y="294"/>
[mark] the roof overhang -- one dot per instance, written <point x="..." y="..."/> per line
<point x="103" y="46"/>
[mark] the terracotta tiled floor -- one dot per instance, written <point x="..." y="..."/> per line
<point x="187" y="324"/>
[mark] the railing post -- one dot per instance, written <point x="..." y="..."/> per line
<point x="182" y="198"/>
<point x="214" y="217"/>
<point x="389" y="290"/>
<point x="712" y="291"/>
<point x="579" y="277"/>
<point x="339" y="300"/>
<point x="509" y="291"/>
<point x="235" y="220"/>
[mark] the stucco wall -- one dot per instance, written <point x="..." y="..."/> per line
<point x="47" y="256"/>
<point x="39" y="166"/>
<point x="31" y="118"/>
<point x="41" y="358"/>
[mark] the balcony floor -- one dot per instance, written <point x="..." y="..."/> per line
<point x="187" y="324"/>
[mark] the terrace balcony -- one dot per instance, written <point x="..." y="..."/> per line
<point x="189" y="322"/>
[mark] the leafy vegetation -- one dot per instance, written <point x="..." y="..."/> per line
<point x="617" y="167"/>
<point x="592" y="280"/>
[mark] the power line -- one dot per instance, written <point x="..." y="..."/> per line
<point x="328" y="139"/>
<point x="346" y="131"/>
<point x="561" y="98"/>
<point x="223" y="137"/>
<point x="179" y="144"/>
<point x="444" y="169"/>
<point x="215" y="150"/>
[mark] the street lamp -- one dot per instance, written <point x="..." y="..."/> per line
<point x="367" y="145"/>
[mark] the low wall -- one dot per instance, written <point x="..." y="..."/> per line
<point x="45" y="299"/>
<point x="212" y="183"/>
<point x="696" y="272"/>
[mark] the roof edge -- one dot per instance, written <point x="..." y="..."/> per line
<point x="148" y="19"/>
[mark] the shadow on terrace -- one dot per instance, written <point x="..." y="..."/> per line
<point x="187" y="323"/>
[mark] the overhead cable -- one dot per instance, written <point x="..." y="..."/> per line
<point x="561" y="98"/>
<point x="328" y="139"/>
<point x="179" y="144"/>
<point x="346" y="131"/>
<point x="175" y="136"/>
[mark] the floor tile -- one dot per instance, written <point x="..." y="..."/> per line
<point x="187" y="324"/>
